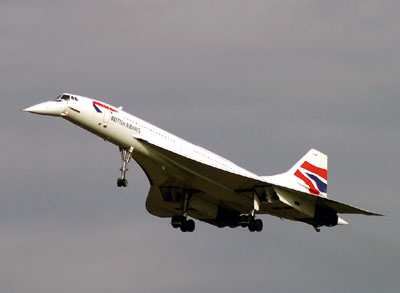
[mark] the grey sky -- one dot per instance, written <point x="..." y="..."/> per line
<point x="258" y="82"/>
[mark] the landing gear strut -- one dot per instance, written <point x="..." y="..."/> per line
<point x="126" y="155"/>
<point x="186" y="225"/>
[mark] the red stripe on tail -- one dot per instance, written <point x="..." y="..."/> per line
<point x="319" y="171"/>
<point x="307" y="181"/>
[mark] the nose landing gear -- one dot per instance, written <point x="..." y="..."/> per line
<point x="122" y="182"/>
<point x="126" y="155"/>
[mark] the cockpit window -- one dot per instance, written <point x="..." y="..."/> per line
<point x="63" y="97"/>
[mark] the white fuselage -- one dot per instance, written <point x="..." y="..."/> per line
<point x="125" y="130"/>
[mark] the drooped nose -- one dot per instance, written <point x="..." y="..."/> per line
<point x="52" y="108"/>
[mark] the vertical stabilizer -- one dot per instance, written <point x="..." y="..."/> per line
<point x="311" y="171"/>
<point x="309" y="174"/>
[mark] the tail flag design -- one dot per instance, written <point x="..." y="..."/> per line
<point x="314" y="177"/>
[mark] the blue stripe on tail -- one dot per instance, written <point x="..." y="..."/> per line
<point x="322" y="186"/>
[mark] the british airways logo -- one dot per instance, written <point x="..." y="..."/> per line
<point x="97" y="106"/>
<point x="314" y="177"/>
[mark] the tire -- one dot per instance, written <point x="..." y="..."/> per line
<point x="184" y="226"/>
<point x="252" y="225"/>
<point x="119" y="182"/>
<point x="259" y="225"/>
<point x="190" y="225"/>
<point x="244" y="221"/>
<point x="176" y="221"/>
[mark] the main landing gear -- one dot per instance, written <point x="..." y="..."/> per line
<point x="126" y="155"/>
<point x="183" y="223"/>
<point x="251" y="222"/>
<point x="186" y="225"/>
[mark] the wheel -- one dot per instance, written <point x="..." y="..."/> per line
<point x="119" y="182"/>
<point x="124" y="182"/>
<point x="176" y="221"/>
<point x="259" y="225"/>
<point x="184" y="226"/>
<point x="190" y="225"/>
<point x="243" y="220"/>
<point x="252" y="225"/>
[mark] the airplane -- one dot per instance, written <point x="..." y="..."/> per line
<point x="189" y="182"/>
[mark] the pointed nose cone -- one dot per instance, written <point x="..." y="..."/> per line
<point x="340" y="221"/>
<point x="52" y="108"/>
<point x="37" y="109"/>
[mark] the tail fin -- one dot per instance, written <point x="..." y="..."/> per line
<point x="309" y="174"/>
<point x="312" y="172"/>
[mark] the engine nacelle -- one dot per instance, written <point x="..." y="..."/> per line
<point x="325" y="217"/>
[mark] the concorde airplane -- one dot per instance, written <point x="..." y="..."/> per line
<point x="188" y="181"/>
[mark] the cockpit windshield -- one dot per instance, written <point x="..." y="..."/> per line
<point x="63" y="97"/>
